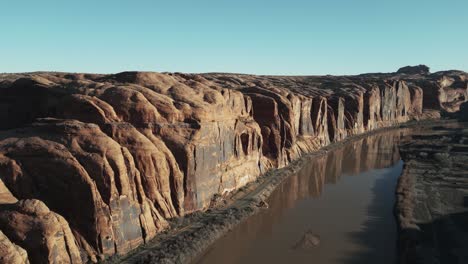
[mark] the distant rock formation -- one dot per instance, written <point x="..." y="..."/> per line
<point x="419" y="69"/>
<point x="94" y="165"/>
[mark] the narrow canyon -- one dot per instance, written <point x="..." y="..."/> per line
<point x="93" y="166"/>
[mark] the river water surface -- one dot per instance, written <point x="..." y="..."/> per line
<point x="344" y="198"/>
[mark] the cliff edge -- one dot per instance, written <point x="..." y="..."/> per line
<point x="94" y="165"/>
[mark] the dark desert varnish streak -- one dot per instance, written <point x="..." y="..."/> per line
<point x="345" y="198"/>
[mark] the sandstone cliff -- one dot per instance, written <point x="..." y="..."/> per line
<point x="94" y="165"/>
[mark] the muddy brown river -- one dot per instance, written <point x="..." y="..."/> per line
<point x="344" y="200"/>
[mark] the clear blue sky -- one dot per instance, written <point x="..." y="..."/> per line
<point x="262" y="37"/>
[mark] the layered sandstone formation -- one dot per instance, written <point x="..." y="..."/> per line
<point x="432" y="197"/>
<point x="94" y="165"/>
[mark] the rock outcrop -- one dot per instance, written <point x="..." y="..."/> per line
<point x="193" y="237"/>
<point x="11" y="253"/>
<point x="419" y="69"/>
<point x="97" y="164"/>
<point x="45" y="235"/>
<point x="432" y="197"/>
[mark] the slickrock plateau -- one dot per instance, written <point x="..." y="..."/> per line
<point x="95" y="165"/>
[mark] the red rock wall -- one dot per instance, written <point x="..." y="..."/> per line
<point x="118" y="159"/>
<point x="112" y="157"/>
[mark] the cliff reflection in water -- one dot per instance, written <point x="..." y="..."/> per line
<point x="270" y="234"/>
<point x="375" y="152"/>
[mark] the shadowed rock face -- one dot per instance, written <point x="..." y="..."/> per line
<point x="112" y="157"/>
<point x="432" y="199"/>
<point x="45" y="235"/>
<point x="419" y="69"/>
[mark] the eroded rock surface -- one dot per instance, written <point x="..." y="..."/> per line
<point x="45" y="235"/>
<point x="432" y="197"/>
<point x="112" y="157"/>
<point x="11" y="253"/>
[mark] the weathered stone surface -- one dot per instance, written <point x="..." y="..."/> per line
<point x="93" y="176"/>
<point x="305" y="179"/>
<point x="11" y="253"/>
<point x="118" y="159"/>
<point x="117" y="155"/>
<point x="444" y="90"/>
<point x="45" y="235"/>
<point x="432" y="196"/>
<point x="336" y="119"/>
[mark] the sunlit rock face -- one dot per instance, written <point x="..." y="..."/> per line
<point x="11" y="253"/>
<point x="118" y="155"/>
<point x="112" y="157"/>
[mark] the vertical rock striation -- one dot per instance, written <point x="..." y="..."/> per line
<point x="97" y="164"/>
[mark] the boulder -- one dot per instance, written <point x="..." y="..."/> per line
<point x="308" y="241"/>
